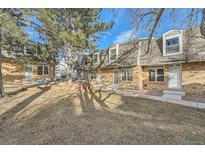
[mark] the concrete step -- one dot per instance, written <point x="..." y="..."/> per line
<point x="174" y="92"/>
<point x="171" y="94"/>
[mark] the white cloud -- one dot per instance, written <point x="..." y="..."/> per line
<point x="125" y="36"/>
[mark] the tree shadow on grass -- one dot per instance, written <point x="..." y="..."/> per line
<point x="20" y="106"/>
<point x="88" y="98"/>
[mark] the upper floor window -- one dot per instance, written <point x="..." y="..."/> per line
<point x="113" y="53"/>
<point x="172" y="44"/>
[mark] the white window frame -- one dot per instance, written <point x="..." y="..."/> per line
<point x="126" y="69"/>
<point x="43" y="74"/>
<point x="116" y="49"/>
<point x="113" y="75"/>
<point x="156" y="68"/>
<point x="170" y="37"/>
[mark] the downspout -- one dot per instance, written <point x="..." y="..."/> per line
<point x="139" y="53"/>
<point x="140" y="68"/>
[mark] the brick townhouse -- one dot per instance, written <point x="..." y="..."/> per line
<point x="174" y="63"/>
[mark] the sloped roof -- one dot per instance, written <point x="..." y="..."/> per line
<point x="193" y="50"/>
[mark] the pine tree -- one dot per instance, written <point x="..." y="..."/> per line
<point x="69" y="28"/>
<point x="11" y="30"/>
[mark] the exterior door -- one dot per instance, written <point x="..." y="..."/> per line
<point x="28" y="72"/>
<point x="175" y="76"/>
<point x="115" y="76"/>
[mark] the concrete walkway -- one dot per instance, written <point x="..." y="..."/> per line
<point x="157" y="98"/>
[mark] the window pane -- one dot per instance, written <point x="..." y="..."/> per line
<point x="151" y="75"/>
<point x="160" y="71"/>
<point x="160" y="78"/>
<point x="172" y="41"/>
<point x="123" y="75"/>
<point x="113" y="55"/>
<point x="123" y="78"/>
<point x="130" y="78"/>
<point x="160" y="74"/>
<point x="45" y="70"/>
<point x="40" y="70"/>
<point x="130" y="74"/>
<point x="172" y="45"/>
<point x="172" y="49"/>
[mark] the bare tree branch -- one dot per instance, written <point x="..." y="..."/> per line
<point x="154" y="27"/>
<point x="202" y="26"/>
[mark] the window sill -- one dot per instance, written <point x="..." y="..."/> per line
<point x="172" y="54"/>
<point x="126" y="81"/>
<point x="157" y="82"/>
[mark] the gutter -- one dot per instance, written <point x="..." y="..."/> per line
<point x="139" y="53"/>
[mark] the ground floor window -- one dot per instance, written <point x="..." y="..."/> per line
<point x="93" y="75"/>
<point x="127" y="74"/>
<point x="156" y="74"/>
<point x="42" y="70"/>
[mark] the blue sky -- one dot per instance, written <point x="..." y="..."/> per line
<point x="121" y="26"/>
<point x="123" y="29"/>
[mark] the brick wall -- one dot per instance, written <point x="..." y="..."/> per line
<point x="193" y="77"/>
<point x="106" y="76"/>
<point x="12" y="72"/>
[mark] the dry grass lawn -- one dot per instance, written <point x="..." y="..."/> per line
<point x="67" y="114"/>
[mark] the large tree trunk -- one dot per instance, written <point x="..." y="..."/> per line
<point x="76" y="63"/>
<point x="69" y="69"/>
<point x="2" y="92"/>
<point x="87" y="79"/>
<point x="53" y="72"/>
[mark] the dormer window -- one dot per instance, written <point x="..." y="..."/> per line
<point x="113" y="53"/>
<point x="172" y="44"/>
<point x="30" y="49"/>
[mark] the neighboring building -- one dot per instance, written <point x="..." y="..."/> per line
<point x="175" y="61"/>
<point x="14" y="71"/>
<point x="61" y="69"/>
